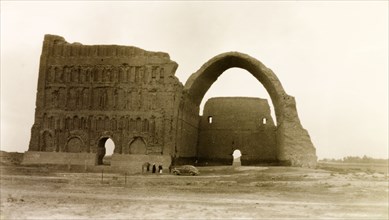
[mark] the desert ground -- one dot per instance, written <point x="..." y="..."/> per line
<point x="222" y="192"/>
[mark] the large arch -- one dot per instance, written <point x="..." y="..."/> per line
<point x="294" y="146"/>
<point x="199" y="82"/>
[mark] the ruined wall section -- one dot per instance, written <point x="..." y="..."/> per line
<point x="295" y="147"/>
<point x="187" y="131"/>
<point x="237" y="123"/>
<point x="86" y="93"/>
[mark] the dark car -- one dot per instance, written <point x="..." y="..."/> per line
<point x="185" y="170"/>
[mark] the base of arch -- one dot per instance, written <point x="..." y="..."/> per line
<point x="129" y="163"/>
<point x="295" y="147"/>
<point x="203" y="161"/>
<point x="132" y="163"/>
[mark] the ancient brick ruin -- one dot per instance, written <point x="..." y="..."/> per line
<point x="87" y="94"/>
<point x="237" y="123"/>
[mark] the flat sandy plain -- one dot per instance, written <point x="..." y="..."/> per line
<point x="225" y="192"/>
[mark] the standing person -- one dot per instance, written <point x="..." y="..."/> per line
<point x="170" y="168"/>
<point x="154" y="168"/>
<point x="160" y="168"/>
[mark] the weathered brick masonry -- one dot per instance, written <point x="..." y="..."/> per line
<point x="89" y="93"/>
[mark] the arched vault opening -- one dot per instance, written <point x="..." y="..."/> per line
<point x="237" y="82"/>
<point x="105" y="150"/>
<point x="294" y="146"/>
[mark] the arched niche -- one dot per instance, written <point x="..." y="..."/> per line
<point x="137" y="146"/>
<point x="75" y="145"/>
<point x="47" y="141"/>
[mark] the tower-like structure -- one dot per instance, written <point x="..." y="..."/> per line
<point x="87" y="94"/>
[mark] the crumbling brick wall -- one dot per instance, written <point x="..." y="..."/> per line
<point x="90" y="93"/>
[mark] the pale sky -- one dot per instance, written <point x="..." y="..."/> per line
<point x="331" y="56"/>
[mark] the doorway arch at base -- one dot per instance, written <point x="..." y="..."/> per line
<point x="101" y="149"/>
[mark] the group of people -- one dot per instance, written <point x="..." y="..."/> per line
<point x="154" y="168"/>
